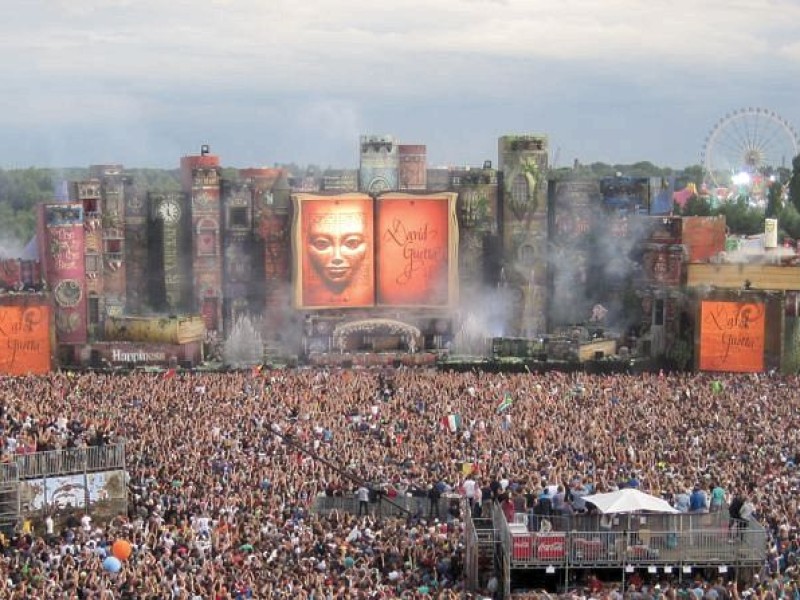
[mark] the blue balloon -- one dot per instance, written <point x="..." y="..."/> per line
<point x="112" y="564"/>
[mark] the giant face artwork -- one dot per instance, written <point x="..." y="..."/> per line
<point x="337" y="246"/>
<point x="335" y="240"/>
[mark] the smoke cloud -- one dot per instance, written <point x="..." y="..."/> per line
<point x="591" y="257"/>
<point x="244" y="345"/>
<point x="10" y="247"/>
<point x="484" y="315"/>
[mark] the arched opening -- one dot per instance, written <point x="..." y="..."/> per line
<point x="376" y="335"/>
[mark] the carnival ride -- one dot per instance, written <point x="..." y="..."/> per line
<point x="746" y="151"/>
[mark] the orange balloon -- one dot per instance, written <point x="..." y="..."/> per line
<point x="121" y="549"/>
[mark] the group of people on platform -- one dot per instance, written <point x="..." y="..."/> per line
<point x="224" y="470"/>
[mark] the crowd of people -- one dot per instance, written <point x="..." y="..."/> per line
<point x="224" y="468"/>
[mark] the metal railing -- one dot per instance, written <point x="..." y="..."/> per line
<point x="9" y="495"/>
<point x="9" y="473"/>
<point x="621" y="522"/>
<point x="400" y="506"/>
<point x="675" y="540"/>
<point x="471" y="544"/>
<point x="505" y="556"/>
<point x="68" y="461"/>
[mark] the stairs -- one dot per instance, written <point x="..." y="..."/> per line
<point x="484" y="529"/>
<point x="9" y="496"/>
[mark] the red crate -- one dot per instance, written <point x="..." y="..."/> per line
<point x="550" y="546"/>
<point x="522" y="546"/>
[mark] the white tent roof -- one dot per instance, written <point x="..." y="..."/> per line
<point x="629" y="500"/>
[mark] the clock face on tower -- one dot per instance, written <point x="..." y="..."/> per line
<point x="169" y="211"/>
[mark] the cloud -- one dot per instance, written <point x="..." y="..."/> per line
<point x="331" y="119"/>
<point x="321" y="44"/>
<point x="340" y="67"/>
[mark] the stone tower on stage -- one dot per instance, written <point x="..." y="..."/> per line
<point x="523" y="169"/>
<point x="102" y="198"/>
<point x="379" y="164"/>
<point x="272" y="223"/>
<point x="412" y="173"/>
<point x="200" y="179"/>
<point x="114" y="186"/>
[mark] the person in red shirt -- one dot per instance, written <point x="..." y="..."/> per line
<point x="508" y="508"/>
<point x="594" y="585"/>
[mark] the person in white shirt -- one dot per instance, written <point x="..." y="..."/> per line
<point x="470" y="487"/>
<point x="363" y="500"/>
<point x="748" y="511"/>
<point x="86" y="522"/>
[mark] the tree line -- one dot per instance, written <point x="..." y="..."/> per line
<point x="22" y="189"/>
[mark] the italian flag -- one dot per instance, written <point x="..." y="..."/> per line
<point x="454" y="422"/>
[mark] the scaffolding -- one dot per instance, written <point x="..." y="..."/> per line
<point x="39" y="468"/>
<point x="497" y="552"/>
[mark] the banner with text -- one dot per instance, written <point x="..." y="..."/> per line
<point x="24" y="340"/>
<point x="732" y="336"/>
<point x="417" y="238"/>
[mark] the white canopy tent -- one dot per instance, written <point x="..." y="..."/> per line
<point x="629" y="500"/>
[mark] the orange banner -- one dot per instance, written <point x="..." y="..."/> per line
<point x="334" y="243"/>
<point x="732" y="336"/>
<point x="414" y="233"/>
<point x="24" y="339"/>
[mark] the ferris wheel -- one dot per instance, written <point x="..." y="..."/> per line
<point x="748" y="143"/>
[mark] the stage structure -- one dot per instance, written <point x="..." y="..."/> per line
<point x="393" y="262"/>
<point x="375" y="274"/>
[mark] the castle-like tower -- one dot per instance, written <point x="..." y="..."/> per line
<point x="136" y="252"/>
<point x="200" y="180"/>
<point x="379" y="164"/>
<point x="523" y="169"/>
<point x="412" y="175"/>
<point x="270" y="193"/>
<point x="478" y="213"/>
<point x="61" y="238"/>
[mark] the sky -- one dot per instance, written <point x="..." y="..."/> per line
<point x="144" y="82"/>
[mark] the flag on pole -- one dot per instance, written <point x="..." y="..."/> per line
<point x="506" y="403"/>
<point x="169" y="373"/>
<point x="716" y="386"/>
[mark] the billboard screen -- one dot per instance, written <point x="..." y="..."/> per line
<point x="732" y="336"/>
<point x="24" y="339"/>
<point x="334" y="251"/>
<point x="416" y="250"/>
